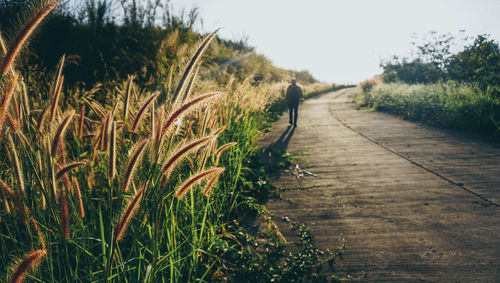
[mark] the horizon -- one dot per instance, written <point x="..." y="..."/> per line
<point x="382" y="29"/>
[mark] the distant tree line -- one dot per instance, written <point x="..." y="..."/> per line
<point x="477" y="63"/>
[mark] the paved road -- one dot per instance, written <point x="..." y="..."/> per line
<point x="412" y="202"/>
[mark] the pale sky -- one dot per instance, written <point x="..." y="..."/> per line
<point x="341" y="41"/>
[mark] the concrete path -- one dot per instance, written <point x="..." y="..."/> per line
<point x="412" y="202"/>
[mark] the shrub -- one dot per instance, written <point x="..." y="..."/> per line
<point x="451" y="104"/>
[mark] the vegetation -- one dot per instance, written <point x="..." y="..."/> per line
<point x="457" y="90"/>
<point x="478" y="62"/>
<point x="449" y="104"/>
<point x="102" y="47"/>
<point x="146" y="177"/>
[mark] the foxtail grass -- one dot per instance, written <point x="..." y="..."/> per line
<point x="186" y="107"/>
<point x="126" y="101"/>
<point x="112" y="152"/>
<point x="18" y="169"/>
<point x="57" y="89"/>
<point x="5" y="203"/>
<point x="69" y="167"/>
<point x="182" y="152"/>
<point x="140" y="113"/>
<point x="159" y="123"/>
<point x="196" y="179"/>
<point x="80" y="124"/>
<point x="23" y="35"/>
<point x="132" y="164"/>
<point x="81" y="207"/>
<point x="64" y="214"/>
<point x="132" y="206"/>
<point x="20" y="207"/>
<point x="224" y="147"/>
<point x="23" y="267"/>
<point x="8" y="93"/>
<point x="12" y="123"/>
<point x="190" y="85"/>
<point x="211" y="183"/>
<point x="41" y="118"/>
<point x="192" y="63"/>
<point x="59" y="135"/>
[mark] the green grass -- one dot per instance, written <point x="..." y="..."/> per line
<point x="72" y="220"/>
<point x="448" y="104"/>
<point x="86" y="196"/>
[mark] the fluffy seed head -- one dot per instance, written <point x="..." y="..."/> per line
<point x="57" y="89"/>
<point x="192" y="63"/>
<point x="8" y="190"/>
<point x="112" y="152"/>
<point x="68" y="167"/>
<point x="61" y="130"/>
<point x="126" y="101"/>
<point x="196" y="179"/>
<point x="143" y="109"/>
<point x="185" y="107"/>
<point x="12" y="123"/>
<point x="42" y="117"/>
<point x="127" y="214"/>
<point x="132" y="164"/>
<point x="23" y="34"/>
<point x="181" y="153"/>
<point x="9" y="90"/>
<point x="224" y="147"/>
<point x="211" y="183"/>
<point x="63" y="203"/>
<point x="81" y="208"/>
<point x="26" y="264"/>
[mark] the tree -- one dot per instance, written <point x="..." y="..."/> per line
<point x="478" y="62"/>
<point x="413" y="72"/>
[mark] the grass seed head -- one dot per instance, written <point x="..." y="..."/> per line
<point x="69" y="167"/>
<point x="26" y="264"/>
<point x="133" y="163"/>
<point x="140" y="113"/>
<point x="6" y="99"/>
<point x="186" y="107"/>
<point x="23" y="34"/>
<point x="61" y="130"/>
<point x="196" y="179"/>
<point x="133" y="205"/>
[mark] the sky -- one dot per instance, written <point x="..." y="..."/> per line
<point x="341" y="41"/>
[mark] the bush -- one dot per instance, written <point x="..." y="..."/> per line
<point x="478" y="62"/>
<point x="413" y="72"/>
<point x="451" y="104"/>
<point x="367" y="86"/>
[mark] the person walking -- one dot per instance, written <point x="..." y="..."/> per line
<point x="293" y="96"/>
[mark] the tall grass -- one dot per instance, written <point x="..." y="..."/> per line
<point x="450" y="104"/>
<point x="136" y="189"/>
<point x="83" y="212"/>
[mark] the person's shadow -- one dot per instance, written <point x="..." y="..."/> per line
<point x="275" y="157"/>
<point x="282" y="143"/>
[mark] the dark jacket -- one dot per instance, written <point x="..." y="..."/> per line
<point x="293" y="94"/>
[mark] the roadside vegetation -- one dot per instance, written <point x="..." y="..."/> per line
<point x="459" y="90"/>
<point x="128" y="150"/>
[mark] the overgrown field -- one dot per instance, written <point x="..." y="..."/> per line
<point x="454" y="105"/>
<point x="458" y="90"/>
<point x="140" y="185"/>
